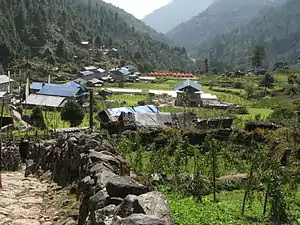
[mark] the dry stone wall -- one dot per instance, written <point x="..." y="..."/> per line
<point x="109" y="195"/>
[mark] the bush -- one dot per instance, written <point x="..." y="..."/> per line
<point x="283" y="116"/>
<point x="240" y="110"/>
<point x="37" y="118"/>
<point x="73" y="113"/>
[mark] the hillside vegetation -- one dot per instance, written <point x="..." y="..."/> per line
<point x="220" y="17"/>
<point x="277" y="30"/>
<point x="177" y="11"/>
<point x="53" y="30"/>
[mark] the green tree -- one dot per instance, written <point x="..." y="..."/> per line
<point x="37" y="117"/>
<point x="61" y="50"/>
<point x="98" y="42"/>
<point x="73" y="113"/>
<point x="250" y="90"/>
<point x="268" y="81"/>
<point x="283" y="116"/>
<point x="21" y="17"/>
<point x="258" y="56"/>
<point x="206" y="68"/>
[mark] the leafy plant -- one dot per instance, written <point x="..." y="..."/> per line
<point x="73" y="113"/>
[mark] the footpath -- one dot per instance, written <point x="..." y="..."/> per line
<point x="29" y="201"/>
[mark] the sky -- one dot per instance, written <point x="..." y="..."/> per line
<point x="139" y="8"/>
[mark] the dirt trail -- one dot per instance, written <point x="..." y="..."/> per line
<point x="25" y="201"/>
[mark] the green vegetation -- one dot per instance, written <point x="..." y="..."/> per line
<point x="73" y="113"/>
<point x="38" y="35"/>
<point x="236" y="47"/>
<point x="38" y="118"/>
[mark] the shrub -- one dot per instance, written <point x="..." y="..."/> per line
<point x="283" y="116"/>
<point x="37" y="117"/>
<point x="241" y="110"/>
<point x="73" y="113"/>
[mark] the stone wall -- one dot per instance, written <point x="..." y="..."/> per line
<point x="11" y="160"/>
<point x="109" y="195"/>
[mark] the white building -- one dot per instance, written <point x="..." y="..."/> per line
<point x="4" y="82"/>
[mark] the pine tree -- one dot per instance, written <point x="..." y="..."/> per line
<point x="259" y="54"/>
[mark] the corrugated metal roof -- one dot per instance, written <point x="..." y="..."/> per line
<point x="163" y="92"/>
<point x="100" y="70"/>
<point x="208" y="96"/>
<point x="5" y="79"/>
<point x="36" y="85"/>
<point x="95" y="81"/>
<point x="116" y="112"/>
<point x="123" y="90"/>
<point x="124" y="71"/>
<point x="80" y="81"/>
<point x="60" y="90"/>
<point x="188" y="83"/>
<point x="44" y="100"/>
<point x="89" y="68"/>
<point x="86" y="73"/>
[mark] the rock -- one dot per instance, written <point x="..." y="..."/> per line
<point x="106" y="146"/>
<point x="129" y="206"/>
<point x="92" y="144"/>
<point x="154" y="203"/>
<point x="98" y="200"/>
<point x="139" y="219"/>
<point x="101" y="179"/>
<point x="111" y="161"/>
<point x="107" y="210"/>
<point x="115" y="201"/>
<point x="47" y="175"/>
<point x="96" y="168"/>
<point x="60" y="213"/>
<point x="122" y="186"/>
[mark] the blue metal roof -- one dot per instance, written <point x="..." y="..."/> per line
<point x="116" y="112"/>
<point x="124" y="71"/>
<point x="36" y="86"/>
<point x="60" y="90"/>
<point x="188" y="83"/>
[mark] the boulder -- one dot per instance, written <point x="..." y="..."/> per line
<point x="122" y="186"/>
<point x="99" y="200"/>
<point x="154" y="203"/>
<point x="139" y="219"/>
<point x="102" y="178"/>
<point x="100" y="216"/>
<point x="111" y="161"/>
<point x="130" y="205"/>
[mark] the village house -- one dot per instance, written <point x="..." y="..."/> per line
<point x="188" y="93"/>
<point x="5" y="81"/>
<point x="95" y="83"/>
<point x="120" y="74"/>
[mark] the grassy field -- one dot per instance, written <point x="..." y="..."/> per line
<point x="186" y="211"/>
<point x="255" y="112"/>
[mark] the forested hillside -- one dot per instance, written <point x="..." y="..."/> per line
<point x="221" y="17"/>
<point x="177" y="11"/>
<point x="277" y="30"/>
<point x="52" y="30"/>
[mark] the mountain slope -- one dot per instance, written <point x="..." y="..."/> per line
<point x="277" y="29"/>
<point x="29" y="28"/>
<point x="174" y="13"/>
<point x="220" y="17"/>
